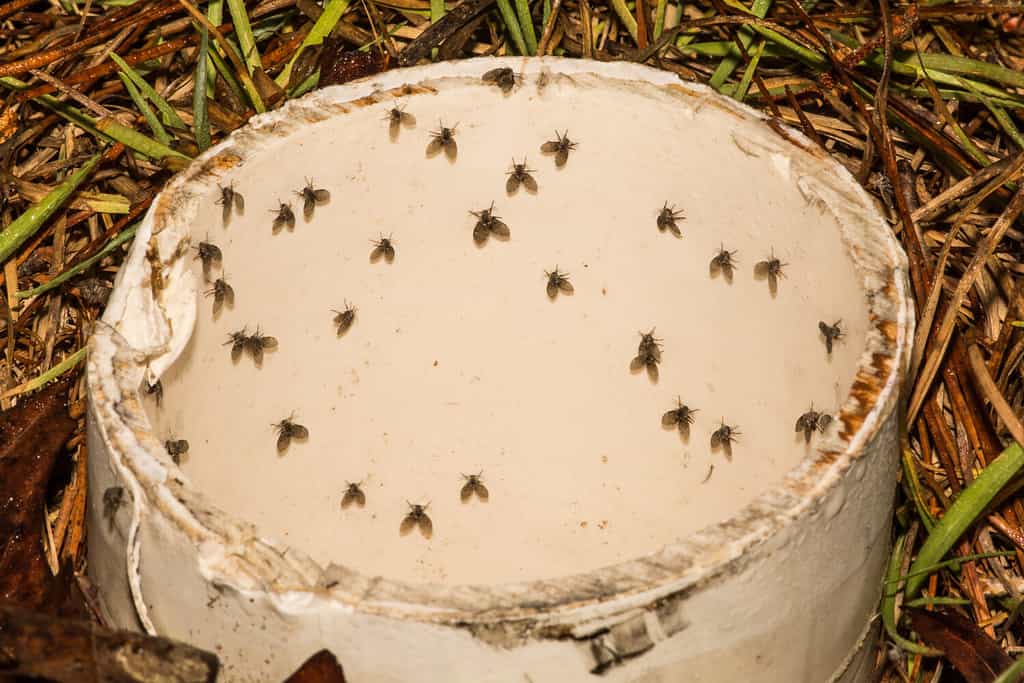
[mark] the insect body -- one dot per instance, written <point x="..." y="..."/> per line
<point x="680" y="417"/>
<point x="284" y="217"/>
<point x="723" y="262"/>
<point x="558" y="282"/>
<point x="667" y="218"/>
<point x="344" y="319"/>
<point x="770" y="268"/>
<point x="443" y="138"/>
<point x="221" y="292"/>
<point x="520" y="175"/>
<point x="396" y="118"/>
<point x="353" y="494"/>
<point x="502" y="77"/>
<point x="832" y="333"/>
<point x="176" y="448"/>
<point x="648" y="355"/>
<point x="209" y="254"/>
<point x="237" y="341"/>
<point x="417" y="517"/>
<point x="230" y="197"/>
<point x="287" y="429"/>
<point x="256" y="343"/>
<point x="156" y="390"/>
<point x="560" y="147"/>
<point x="113" y="499"/>
<point x="812" y="421"/>
<point x="488" y="224"/>
<point x="474" y="484"/>
<point x="383" y="248"/>
<point x="723" y="438"/>
<point x="311" y="198"/>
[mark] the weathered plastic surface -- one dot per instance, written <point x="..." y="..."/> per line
<point x="783" y="590"/>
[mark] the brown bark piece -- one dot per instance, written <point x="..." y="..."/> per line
<point x="977" y="657"/>
<point x="71" y="651"/>
<point x="32" y="435"/>
<point x="322" y="667"/>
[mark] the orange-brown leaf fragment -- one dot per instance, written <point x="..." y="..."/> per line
<point x="322" y="667"/>
<point x="977" y="657"/>
<point x="338" y="65"/>
<point x="32" y="435"/>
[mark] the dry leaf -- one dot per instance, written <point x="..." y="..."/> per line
<point x="73" y="651"/>
<point x="32" y="435"/>
<point x="977" y="657"/>
<point x="338" y="65"/>
<point x="322" y="667"/>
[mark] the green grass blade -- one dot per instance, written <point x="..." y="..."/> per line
<point x="50" y="375"/>
<point x="659" y="17"/>
<point x="729" y="64"/>
<point x="526" y="24"/>
<point x="116" y="241"/>
<point x="170" y="116"/>
<point x="965" y="66"/>
<point x="929" y="601"/>
<point x="200" y="118"/>
<point x="512" y="24"/>
<point x="888" y="606"/>
<point x="140" y="103"/>
<point x="323" y="26"/>
<point x="107" y="129"/>
<point x="1012" y="674"/>
<point x="968" y="506"/>
<point x="227" y="74"/>
<point x="26" y="225"/>
<point x="748" y="73"/>
<point x="625" y="16"/>
<point x="243" y="31"/>
<point x="1001" y="117"/>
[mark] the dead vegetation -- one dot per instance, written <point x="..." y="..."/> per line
<point x="103" y="100"/>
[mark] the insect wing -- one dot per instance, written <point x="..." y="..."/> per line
<point x="674" y="229"/>
<point x="652" y="370"/>
<point x="512" y="184"/>
<point x="565" y="286"/>
<point x="500" y="229"/>
<point x="716" y="438"/>
<point x="426" y="526"/>
<point x="239" y="203"/>
<point x="353" y="495"/>
<point x="637" y="363"/>
<point x="761" y="269"/>
<point x="552" y="288"/>
<point x="480" y="233"/>
<point x="377" y="253"/>
<point x="670" y="419"/>
<point x="481" y="492"/>
<point x="824" y="420"/>
<point x="562" y="156"/>
<point x="283" y="440"/>
<point x="434" y="146"/>
<point x="321" y="196"/>
<point x="408" y="524"/>
<point x="228" y="293"/>
<point x="395" y="126"/>
<point x="268" y="342"/>
<point x="308" y="205"/>
<point x="773" y="282"/>
<point x="237" y="346"/>
<point x="551" y="147"/>
<point x="256" y="349"/>
<point x="389" y="252"/>
<point x="299" y="432"/>
<point x="467" y="491"/>
<point x="529" y="182"/>
<point x="493" y="75"/>
<point x="225" y="212"/>
<point x="408" y="120"/>
<point x="451" y="149"/>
